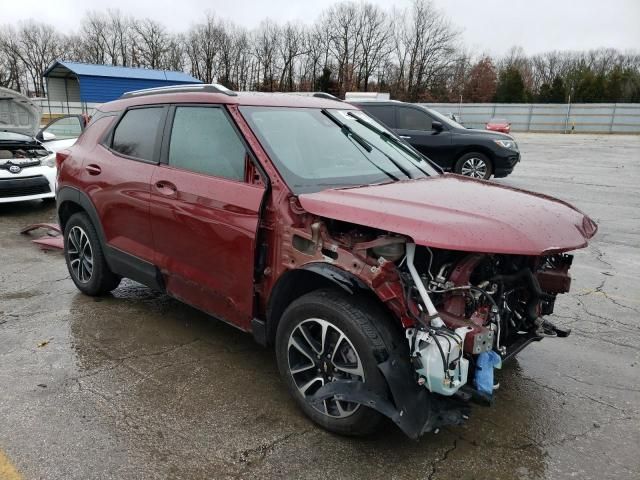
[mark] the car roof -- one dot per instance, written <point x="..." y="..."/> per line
<point x="290" y="100"/>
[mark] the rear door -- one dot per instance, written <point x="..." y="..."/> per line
<point x="415" y="126"/>
<point x="117" y="175"/>
<point x="204" y="213"/>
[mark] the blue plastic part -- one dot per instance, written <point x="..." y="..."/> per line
<point x="485" y="364"/>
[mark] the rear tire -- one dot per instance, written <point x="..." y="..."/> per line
<point x="357" y="337"/>
<point x="474" y="165"/>
<point x="85" y="258"/>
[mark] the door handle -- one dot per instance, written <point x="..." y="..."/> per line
<point x="93" y="169"/>
<point x="166" y="188"/>
<point x="406" y="137"/>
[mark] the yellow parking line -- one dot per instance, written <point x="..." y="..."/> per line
<point x="7" y="470"/>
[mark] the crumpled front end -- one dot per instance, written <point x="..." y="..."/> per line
<point x="463" y="314"/>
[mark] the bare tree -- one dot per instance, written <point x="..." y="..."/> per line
<point x="151" y="43"/>
<point x="35" y="46"/>
<point x="266" y="44"/>
<point x="376" y="32"/>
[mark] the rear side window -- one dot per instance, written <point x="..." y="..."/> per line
<point x="136" y="134"/>
<point x="384" y="114"/>
<point x="413" y="119"/>
<point x="204" y="141"/>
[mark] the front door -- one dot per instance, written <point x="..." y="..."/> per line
<point x="205" y="212"/>
<point x="415" y="126"/>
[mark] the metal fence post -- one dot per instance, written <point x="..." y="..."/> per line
<point x="529" y="119"/>
<point x="613" y="117"/>
<point x="566" y="120"/>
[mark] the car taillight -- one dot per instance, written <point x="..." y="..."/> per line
<point x="61" y="157"/>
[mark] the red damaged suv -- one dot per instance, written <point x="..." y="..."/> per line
<point x="388" y="288"/>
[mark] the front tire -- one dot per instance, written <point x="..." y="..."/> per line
<point x="85" y="258"/>
<point x="327" y="336"/>
<point x="474" y="165"/>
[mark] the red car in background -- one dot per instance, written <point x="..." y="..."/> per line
<point x="499" y="125"/>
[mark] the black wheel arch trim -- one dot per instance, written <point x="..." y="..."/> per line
<point x="345" y="280"/>
<point x="119" y="262"/>
<point x="297" y="282"/>
<point x="73" y="195"/>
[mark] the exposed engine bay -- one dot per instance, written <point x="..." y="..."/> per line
<point x="22" y="154"/>
<point x="466" y="305"/>
<point x="462" y="313"/>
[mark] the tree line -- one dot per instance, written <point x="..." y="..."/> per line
<point x="414" y="53"/>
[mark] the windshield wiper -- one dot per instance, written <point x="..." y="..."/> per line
<point x="387" y="136"/>
<point x="347" y="130"/>
<point x="353" y="136"/>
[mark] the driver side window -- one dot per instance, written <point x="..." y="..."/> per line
<point x="412" y="119"/>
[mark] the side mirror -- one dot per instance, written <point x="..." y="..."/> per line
<point x="47" y="136"/>
<point x="437" y="126"/>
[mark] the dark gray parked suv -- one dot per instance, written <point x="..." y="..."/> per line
<point x="474" y="153"/>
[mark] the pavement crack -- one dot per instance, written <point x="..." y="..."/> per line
<point x="438" y="461"/>
<point x="575" y="436"/>
<point x="253" y="457"/>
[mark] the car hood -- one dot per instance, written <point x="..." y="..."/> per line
<point x="18" y="114"/>
<point x="484" y="133"/>
<point x="459" y="213"/>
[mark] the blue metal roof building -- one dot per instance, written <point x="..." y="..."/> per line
<point x="84" y="82"/>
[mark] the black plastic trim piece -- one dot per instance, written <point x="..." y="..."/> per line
<point x="412" y="407"/>
<point x="135" y="268"/>
<point x="345" y="280"/>
<point x="259" y="331"/>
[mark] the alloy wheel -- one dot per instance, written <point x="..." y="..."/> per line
<point x="474" y="167"/>
<point x="80" y="254"/>
<point x="319" y="352"/>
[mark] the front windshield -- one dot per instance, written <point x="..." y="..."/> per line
<point x="318" y="149"/>
<point x="444" y="119"/>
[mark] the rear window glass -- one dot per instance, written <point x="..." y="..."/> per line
<point x="135" y="135"/>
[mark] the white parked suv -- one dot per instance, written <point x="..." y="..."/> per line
<point x="28" y="153"/>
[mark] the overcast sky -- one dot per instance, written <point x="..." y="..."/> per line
<point x="488" y="26"/>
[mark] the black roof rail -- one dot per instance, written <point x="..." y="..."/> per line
<point x="192" y="88"/>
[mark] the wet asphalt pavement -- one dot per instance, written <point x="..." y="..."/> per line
<point x="137" y="385"/>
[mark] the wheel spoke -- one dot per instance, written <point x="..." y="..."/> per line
<point x="335" y="349"/>
<point x="304" y="368"/>
<point x="294" y="343"/>
<point x="357" y="370"/>
<point x="310" y="341"/>
<point x="307" y="385"/>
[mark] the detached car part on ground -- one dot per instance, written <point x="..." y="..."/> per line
<point x="27" y="153"/>
<point x="388" y="289"/>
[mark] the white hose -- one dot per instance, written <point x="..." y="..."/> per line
<point x="431" y="309"/>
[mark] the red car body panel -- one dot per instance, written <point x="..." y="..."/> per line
<point x="204" y="235"/>
<point x="121" y="196"/>
<point x="460" y="213"/>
